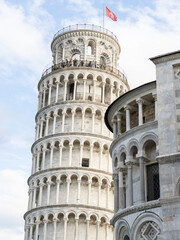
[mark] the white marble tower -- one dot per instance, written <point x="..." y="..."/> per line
<point x="70" y="188"/>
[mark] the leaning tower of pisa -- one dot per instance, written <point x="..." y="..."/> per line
<point x="70" y="187"/>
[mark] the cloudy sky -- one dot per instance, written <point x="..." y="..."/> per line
<point x="144" y="29"/>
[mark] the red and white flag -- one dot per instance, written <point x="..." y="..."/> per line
<point x="110" y="14"/>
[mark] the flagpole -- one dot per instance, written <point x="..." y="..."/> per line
<point x="103" y="15"/>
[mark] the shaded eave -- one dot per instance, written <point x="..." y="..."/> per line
<point x="119" y="99"/>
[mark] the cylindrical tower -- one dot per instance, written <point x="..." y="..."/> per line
<point x="71" y="188"/>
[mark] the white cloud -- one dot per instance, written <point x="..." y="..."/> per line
<point x="28" y="47"/>
<point x="13" y="198"/>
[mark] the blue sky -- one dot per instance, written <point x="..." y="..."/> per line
<point x="144" y="29"/>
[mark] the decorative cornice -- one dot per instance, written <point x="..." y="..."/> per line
<point x="84" y="68"/>
<point x="58" y="206"/>
<point x="83" y="33"/>
<point x="83" y="169"/>
<point x="138" y="208"/>
<point x="71" y="134"/>
<point x="69" y="103"/>
<point x="170" y="158"/>
<point x="166" y="57"/>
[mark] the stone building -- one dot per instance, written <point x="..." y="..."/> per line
<point x="70" y="188"/>
<point x="146" y="156"/>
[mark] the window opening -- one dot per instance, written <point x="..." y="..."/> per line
<point x="71" y="90"/>
<point x="153" y="188"/>
<point x="89" y="50"/>
<point x="85" y="162"/>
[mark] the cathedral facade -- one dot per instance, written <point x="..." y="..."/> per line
<point x="146" y="156"/>
<point x="71" y="191"/>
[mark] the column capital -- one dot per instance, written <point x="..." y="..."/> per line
<point x="127" y="107"/>
<point x="119" y="115"/>
<point x="139" y="100"/>
<point x="115" y="176"/>
<point x="155" y="96"/>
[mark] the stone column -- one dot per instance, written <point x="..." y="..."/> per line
<point x="68" y="187"/>
<point x="102" y="124"/>
<point x="73" y="113"/>
<point x="30" y="198"/>
<point x="57" y="91"/>
<point x="114" y="129"/>
<point x="121" y="189"/>
<point x="47" y="125"/>
<point x="93" y="118"/>
<point x="40" y="194"/>
<point x="106" y="231"/>
<point x="65" y="228"/>
<point x="34" y="164"/>
<point x="142" y="180"/>
<point x="48" y="191"/>
<point x="26" y="233"/>
<point x="51" y="156"/>
<point x="57" y="190"/>
<point x="34" y="197"/>
<point x="103" y="90"/>
<point x="54" y="230"/>
<point x="97" y="230"/>
<point x="31" y="232"/>
<point x="37" y="161"/>
<point x="44" y="96"/>
<point x="76" y="229"/>
<point x="43" y="158"/>
<point x="83" y="115"/>
<point x="65" y="89"/>
<point x="111" y="93"/>
<point x="81" y="155"/>
<point x="70" y="154"/>
<point x="37" y="230"/>
<point x="115" y="178"/>
<point x="99" y="193"/>
<point x="49" y="96"/>
<point x="119" y="115"/>
<point x="89" y="191"/>
<point x="100" y="156"/>
<point x="74" y="93"/>
<point x="63" y="120"/>
<point x="60" y="154"/>
<point x="109" y="159"/>
<point x="45" y="228"/>
<point x="130" y="185"/>
<point x="54" y="123"/>
<point x="94" y="90"/>
<point x="127" y="109"/>
<point x="155" y="102"/>
<point x="118" y="89"/>
<point x="91" y="155"/>
<point x="79" y="190"/>
<point x="107" y="195"/>
<point x="87" y="228"/>
<point x="140" y="110"/>
<point x="37" y="131"/>
<point x="41" y="127"/>
<point x="39" y="100"/>
<point x="84" y="91"/>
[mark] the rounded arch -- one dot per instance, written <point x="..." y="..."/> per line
<point x="144" y="222"/>
<point x="146" y="137"/>
<point x="122" y="230"/>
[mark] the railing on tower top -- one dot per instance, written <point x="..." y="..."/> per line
<point x="85" y="26"/>
<point x="84" y="64"/>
